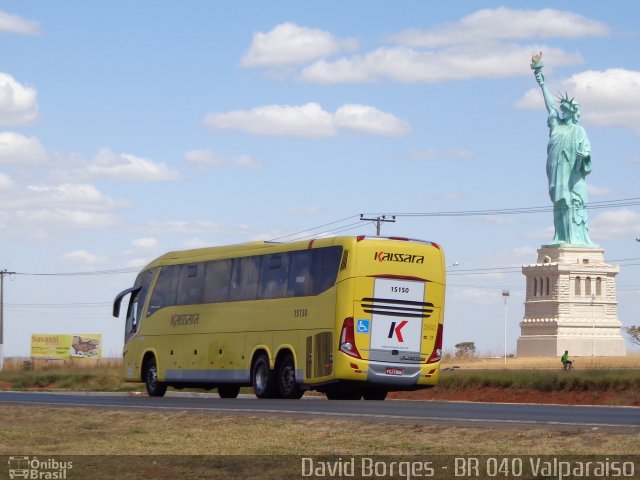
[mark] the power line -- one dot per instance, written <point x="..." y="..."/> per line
<point x="624" y="202"/>
<point x="59" y="305"/>
<point x="314" y="228"/>
<point x="115" y="271"/>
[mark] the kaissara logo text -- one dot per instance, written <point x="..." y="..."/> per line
<point x="186" y="319"/>
<point x="398" y="257"/>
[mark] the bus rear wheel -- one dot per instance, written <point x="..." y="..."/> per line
<point x="374" y="394"/>
<point x="343" y="394"/>
<point x="263" y="379"/>
<point x="154" y="387"/>
<point x="228" y="391"/>
<point x="286" y="375"/>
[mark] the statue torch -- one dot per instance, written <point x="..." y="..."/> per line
<point x="536" y="66"/>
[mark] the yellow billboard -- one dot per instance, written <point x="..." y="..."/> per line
<point x="66" y="346"/>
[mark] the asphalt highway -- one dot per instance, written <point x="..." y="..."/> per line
<point x="390" y="411"/>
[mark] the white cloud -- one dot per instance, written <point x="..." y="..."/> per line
<point x="5" y="182"/>
<point x="70" y="194"/>
<point x="197" y="228"/>
<point x="614" y="224"/>
<point x="82" y="258"/>
<point x="125" y="167"/>
<point x="147" y="246"/>
<point x="607" y="98"/>
<point x="244" y="161"/>
<point x="183" y="227"/>
<point x="290" y="44"/>
<point x="595" y="191"/>
<point x="491" y="25"/>
<point x="309" y="121"/>
<point x="137" y="262"/>
<point x="480" y="45"/>
<point x="18" y="104"/>
<point x="195" y="243"/>
<point x="370" y="120"/>
<point x="14" y="24"/>
<point x="208" y="158"/>
<point x="44" y="211"/>
<point x="205" y="157"/>
<point x="20" y="150"/>
<point x="411" y="65"/>
<point x="65" y="218"/>
<point x="148" y="243"/>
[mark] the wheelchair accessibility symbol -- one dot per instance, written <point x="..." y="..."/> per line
<point x="362" y="326"/>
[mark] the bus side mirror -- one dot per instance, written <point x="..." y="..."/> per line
<point x="118" y="300"/>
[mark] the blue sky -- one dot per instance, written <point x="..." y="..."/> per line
<point x="131" y="128"/>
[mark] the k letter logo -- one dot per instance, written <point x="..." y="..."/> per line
<point x="397" y="330"/>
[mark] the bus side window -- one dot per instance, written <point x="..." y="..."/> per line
<point x="273" y="276"/>
<point x="217" y="279"/>
<point x="324" y="267"/>
<point x="300" y="281"/>
<point x="245" y="278"/>
<point x="190" y="284"/>
<point x="166" y="289"/>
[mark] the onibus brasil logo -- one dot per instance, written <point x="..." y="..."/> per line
<point x="33" y="468"/>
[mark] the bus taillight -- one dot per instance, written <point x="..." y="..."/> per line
<point x="348" y="339"/>
<point x="436" y="354"/>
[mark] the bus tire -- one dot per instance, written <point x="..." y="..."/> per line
<point x="288" y="387"/>
<point x="228" y="391"/>
<point x="343" y="394"/>
<point x="263" y="378"/>
<point x="154" y="387"/>
<point x="374" y="394"/>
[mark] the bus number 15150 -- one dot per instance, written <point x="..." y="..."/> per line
<point x="399" y="289"/>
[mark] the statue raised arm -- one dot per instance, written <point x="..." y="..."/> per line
<point x="537" y="65"/>
<point x="568" y="163"/>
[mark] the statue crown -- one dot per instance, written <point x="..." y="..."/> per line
<point x="568" y="103"/>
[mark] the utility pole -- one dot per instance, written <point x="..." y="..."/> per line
<point x="378" y="221"/>
<point x="505" y="296"/>
<point x="2" y="274"/>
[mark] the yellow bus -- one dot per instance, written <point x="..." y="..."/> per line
<point x="352" y="317"/>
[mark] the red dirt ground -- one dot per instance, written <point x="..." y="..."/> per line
<point x="514" y="395"/>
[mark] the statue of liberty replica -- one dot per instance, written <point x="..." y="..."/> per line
<point x="570" y="300"/>
<point x="568" y="164"/>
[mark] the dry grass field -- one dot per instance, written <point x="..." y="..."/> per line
<point x="39" y="430"/>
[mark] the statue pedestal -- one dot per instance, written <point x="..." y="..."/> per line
<point x="570" y="305"/>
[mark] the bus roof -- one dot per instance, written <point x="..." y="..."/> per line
<point x="263" y="247"/>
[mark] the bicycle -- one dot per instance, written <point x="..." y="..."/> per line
<point x="567" y="365"/>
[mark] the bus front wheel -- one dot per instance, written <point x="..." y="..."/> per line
<point x="263" y="379"/>
<point x="287" y="385"/>
<point x="155" y="388"/>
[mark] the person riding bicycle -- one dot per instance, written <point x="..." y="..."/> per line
<point x="566" y="363"/>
